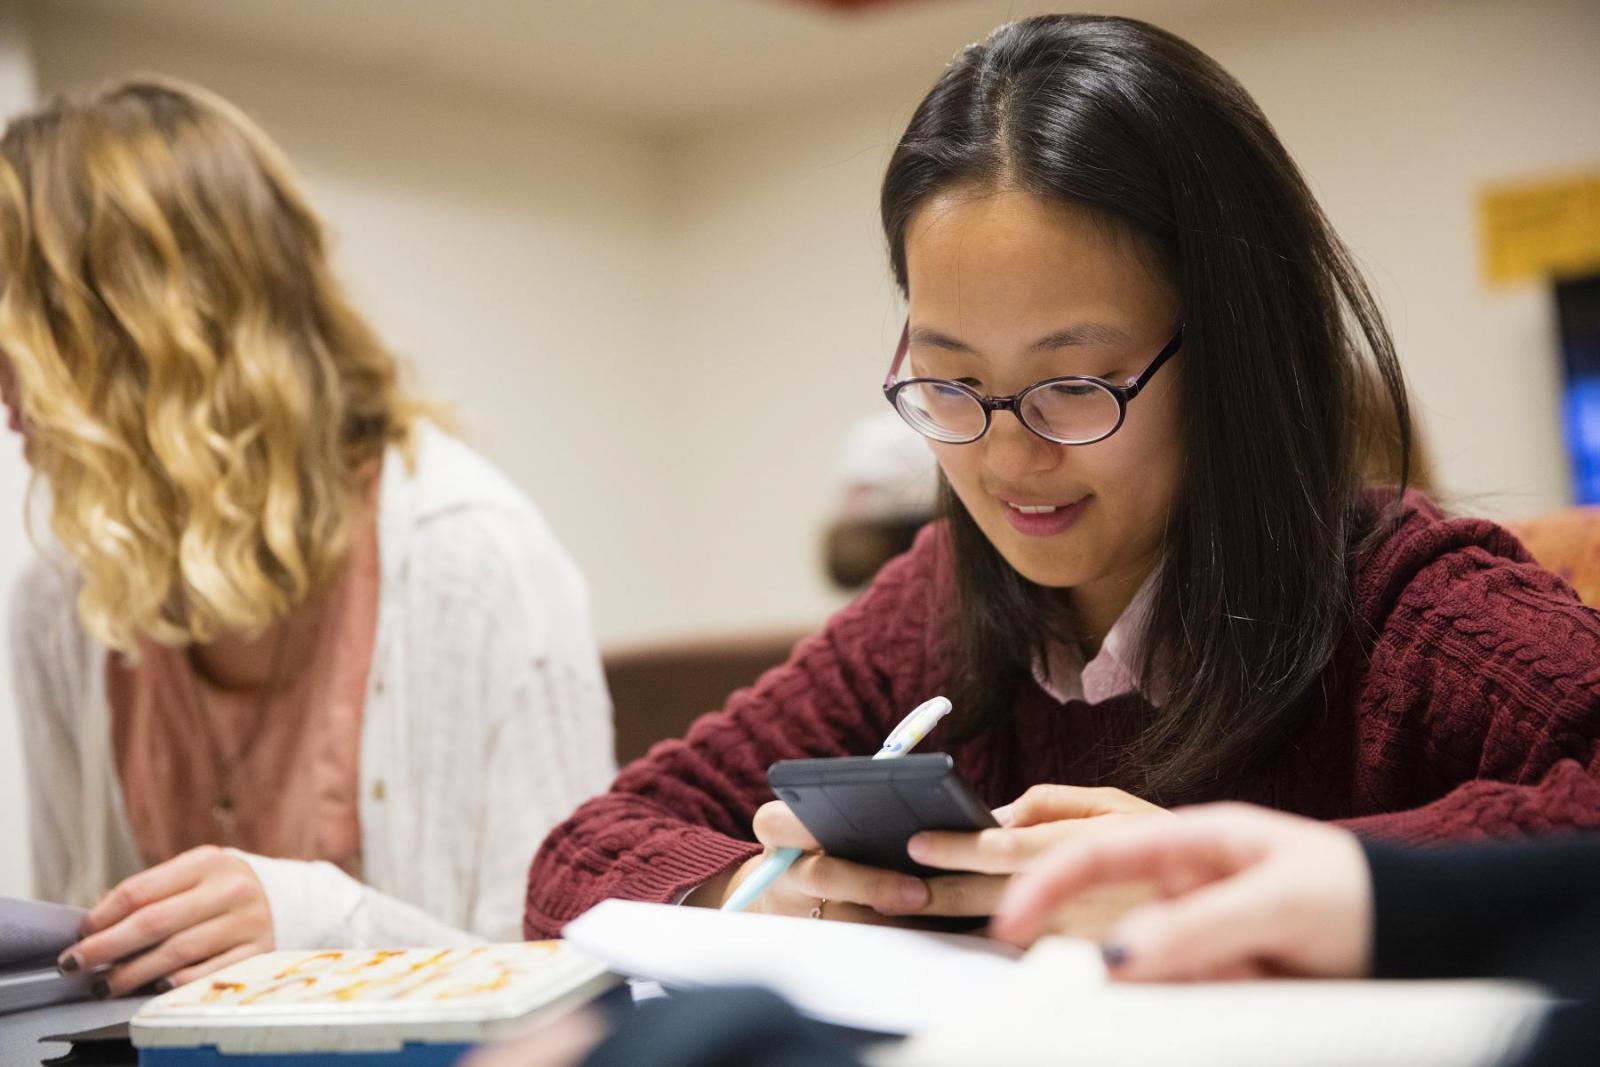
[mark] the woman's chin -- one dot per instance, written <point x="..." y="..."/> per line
<point x="1052" y="573"/>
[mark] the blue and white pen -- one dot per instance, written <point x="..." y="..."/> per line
<point x="902" y="739"/>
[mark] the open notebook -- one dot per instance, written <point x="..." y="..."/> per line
<point x="969" y="1000"/>
<point x="32" y="935"/>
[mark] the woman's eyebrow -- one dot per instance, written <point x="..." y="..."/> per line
<point x="1083" y="333"/>
<point x="928" y="338"/>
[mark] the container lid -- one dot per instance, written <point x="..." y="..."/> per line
<point x="371" y="999"/>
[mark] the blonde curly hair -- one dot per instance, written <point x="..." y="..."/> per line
<point x="200" y="395"/>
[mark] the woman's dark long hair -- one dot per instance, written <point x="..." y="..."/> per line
<point x="1287" y="370"/>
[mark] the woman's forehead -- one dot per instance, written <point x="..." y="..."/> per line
<point x="1040" y="266"/>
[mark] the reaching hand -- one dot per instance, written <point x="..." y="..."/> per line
<point x="1043" y="817"/>
<point x="1246" y="892"/>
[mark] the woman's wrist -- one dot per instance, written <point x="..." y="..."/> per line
<point x="714" y="891"/>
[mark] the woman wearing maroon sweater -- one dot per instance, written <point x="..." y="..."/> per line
<point x="1146" y="367"/>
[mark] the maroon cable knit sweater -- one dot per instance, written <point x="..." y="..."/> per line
<point x="1471" y="707"/>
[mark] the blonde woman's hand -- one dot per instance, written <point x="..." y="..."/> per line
<point x="817" y="884"/>
<point x="173" y="923"/>
<point x="1246" y="892"/>
<point x="1042" y="818"/>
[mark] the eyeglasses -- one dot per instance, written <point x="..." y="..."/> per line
<point x="1075" y="410"/>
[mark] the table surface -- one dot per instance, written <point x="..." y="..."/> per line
<point x="21" y="1031"/>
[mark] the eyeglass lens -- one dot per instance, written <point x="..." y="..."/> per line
<point x="1068" y="412"/>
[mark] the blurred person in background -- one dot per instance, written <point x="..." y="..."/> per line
<point x="889" y="490"/>
<point x="299" y="669"/>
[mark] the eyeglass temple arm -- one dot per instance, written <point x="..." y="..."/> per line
<point x="899" y="354"/>
<point x="1162" y="356"/>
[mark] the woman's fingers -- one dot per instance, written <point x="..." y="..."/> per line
<point x="145" y="928"/>
<point x="1092" y="914"/>
<point x="1159" y="853"/>
<point x="1001" y="851"/>
<point x="150" y="885"/>
<point x="843" y="911"/>
<point x="220" y="906"/>
<point x="826" y="877"/>
<point x="212" y="965"/>
<point x="1049" y="803"/>
<point x="1304" y="908"/>
<point x="964" y="894"/>
<point x="776" y="826"/>
<point x="185" y="948"/>
<point x="1222" y="928"/>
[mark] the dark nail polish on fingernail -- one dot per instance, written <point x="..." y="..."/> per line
<point x="67" y="964"/>
<point x="1114" y="955"/>
<point x="100" y="990"/>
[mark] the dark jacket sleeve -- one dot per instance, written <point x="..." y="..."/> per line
<point x="1518" y="909"/>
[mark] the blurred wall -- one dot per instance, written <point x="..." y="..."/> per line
<point x="663" y="337"/>
<point x="1396" y="112"/>
<point x="16" y="93"/>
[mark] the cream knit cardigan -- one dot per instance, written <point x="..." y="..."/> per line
<point x="486" y="722"/>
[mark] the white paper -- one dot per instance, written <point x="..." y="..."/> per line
<point x="1234" y="1024"/>
<point x="968" y="1000"/>
<point x="869" y="977"/>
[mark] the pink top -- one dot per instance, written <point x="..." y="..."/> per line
<point x="294" y="793"/>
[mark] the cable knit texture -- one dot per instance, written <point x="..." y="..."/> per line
<point x="1464" y="702"/>
<point x="485" y="722"/>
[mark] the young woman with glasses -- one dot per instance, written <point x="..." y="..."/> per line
<point x="1149" y="372"/>
<point x="299" y="670"/>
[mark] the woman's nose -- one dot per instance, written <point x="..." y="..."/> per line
<point x="1012" y="451"/>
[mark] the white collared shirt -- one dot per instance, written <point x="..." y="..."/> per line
<point x="1114" y="670"/>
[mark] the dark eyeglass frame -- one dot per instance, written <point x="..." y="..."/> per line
<point x="1122" y="393"/>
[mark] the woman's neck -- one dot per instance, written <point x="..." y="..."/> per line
<point x="1095" y="607"/>
<point x="243" y="662"/>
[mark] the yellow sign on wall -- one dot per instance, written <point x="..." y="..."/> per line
<point x="1540" y="229"/>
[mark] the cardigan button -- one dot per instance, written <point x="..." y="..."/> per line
<point x="378" y="792"/>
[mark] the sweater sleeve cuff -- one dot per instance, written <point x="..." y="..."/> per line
<point x="688" y="859"/>
<point x="1567" y="797"/>
<point x="310" y="901"/>
<point x="665" y="870"/>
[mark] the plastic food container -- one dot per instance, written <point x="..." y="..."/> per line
<point x="415" y="1007"/>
